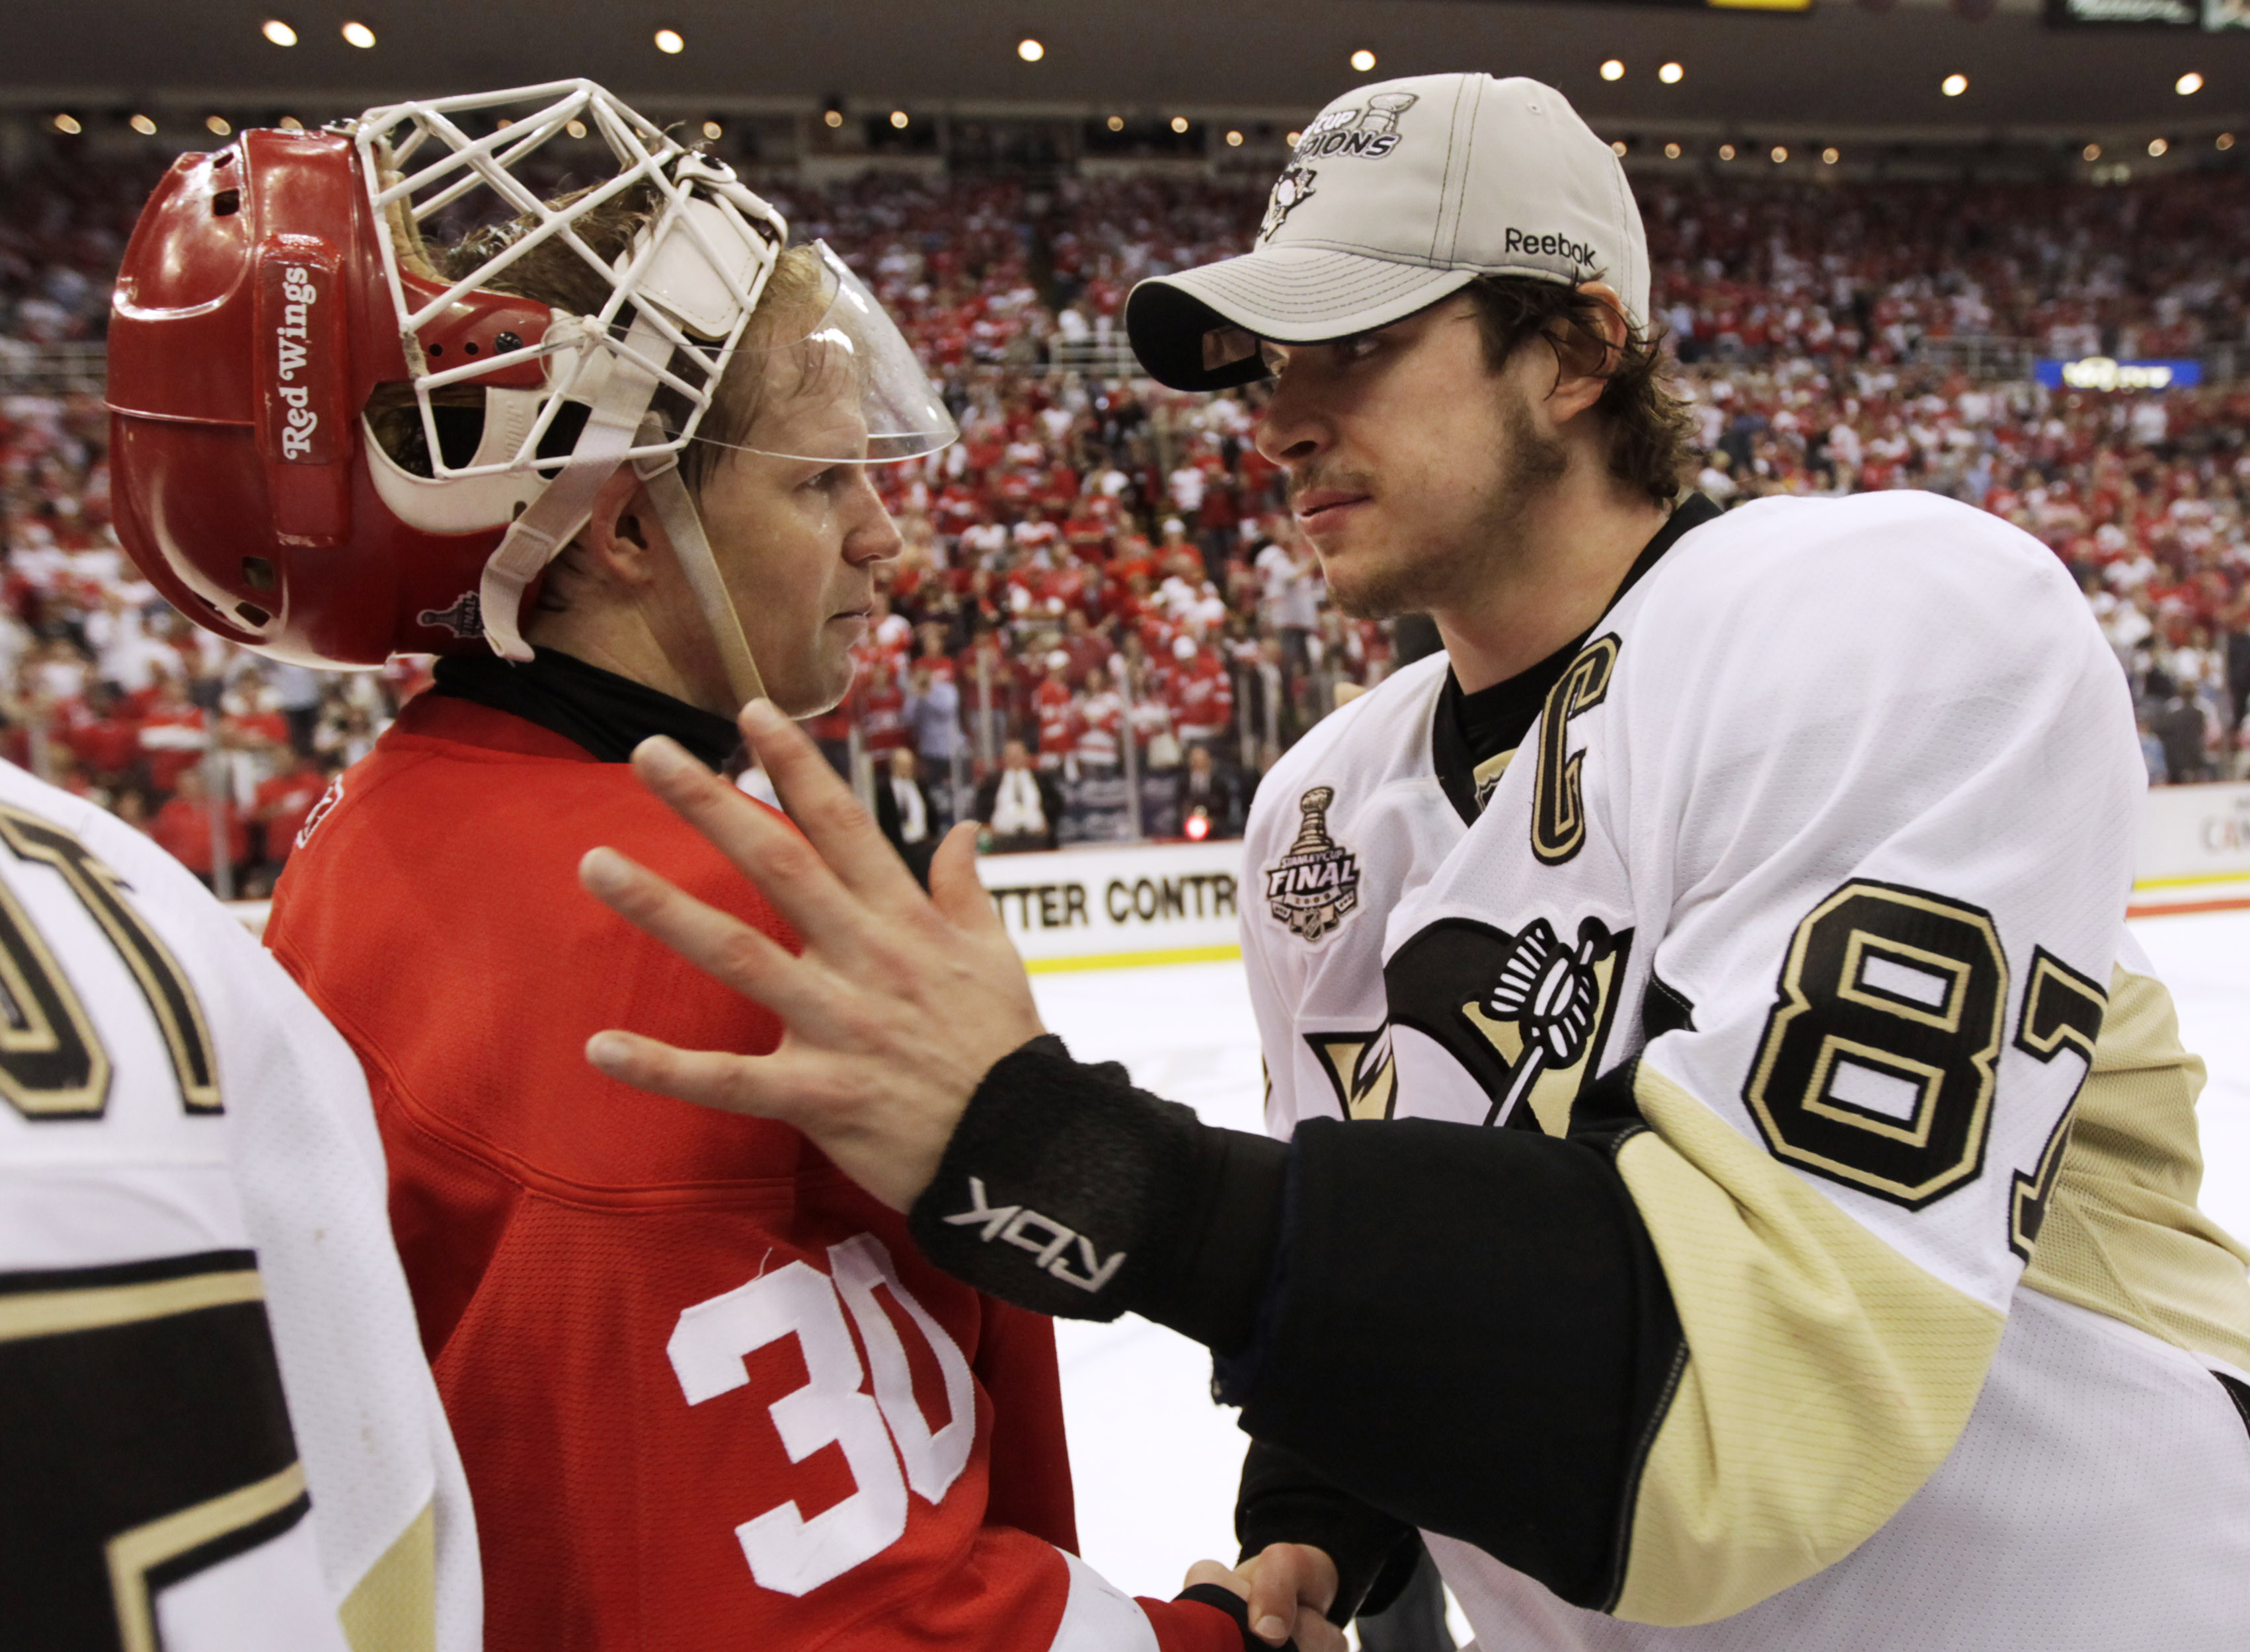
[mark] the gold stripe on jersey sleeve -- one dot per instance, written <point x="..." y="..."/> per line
<point x="47" y="1313"/>
<point x="1827" y="1376"/>
<point x="133" y="1555"/>
<point x="2121" y="1235"/>
<point x="394" y="1606"/>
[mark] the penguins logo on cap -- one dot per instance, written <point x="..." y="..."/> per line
<point x="1290" y="190"/>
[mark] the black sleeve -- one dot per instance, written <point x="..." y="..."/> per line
<point x="1469" y="1331"/>
<point x="1284" y="1500"/>
<point x="1464" y="1329"/>
<point x="1067" y="1191"/>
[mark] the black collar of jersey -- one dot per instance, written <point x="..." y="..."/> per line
<point x="607" y="714"/>
<point x="1472" y="729"/>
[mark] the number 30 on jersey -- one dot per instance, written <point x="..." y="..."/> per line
<point x="789" y="1553"/>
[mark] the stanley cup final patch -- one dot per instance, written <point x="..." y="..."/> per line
<point x="1315" y="885"/>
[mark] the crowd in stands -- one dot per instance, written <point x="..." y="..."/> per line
<point x="1101" y="622"/>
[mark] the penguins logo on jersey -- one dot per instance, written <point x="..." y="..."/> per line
<point x="1525" y="1015"/>
<point x="1360" y="1070"/>
<point x="1315" y="885"/>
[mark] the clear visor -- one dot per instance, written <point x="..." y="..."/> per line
<point x="847" y="388"/>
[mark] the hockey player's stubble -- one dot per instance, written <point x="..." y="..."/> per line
<point x="1446" y="569"/>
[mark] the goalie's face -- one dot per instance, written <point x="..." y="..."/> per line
<point x="798" y="540"/>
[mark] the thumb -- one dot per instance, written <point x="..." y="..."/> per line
<point x="957" y="891"/>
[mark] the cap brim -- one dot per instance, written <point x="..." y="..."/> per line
<point x="1290" y="295"/>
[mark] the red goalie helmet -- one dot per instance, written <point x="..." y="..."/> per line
<point x="250" y="328"/>
<point x="277" y="297"/>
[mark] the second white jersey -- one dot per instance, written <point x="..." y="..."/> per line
<point x="221" y="1434"/>
<point x="1822" y="841"/>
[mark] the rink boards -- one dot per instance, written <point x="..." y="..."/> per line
<point x="1110" y="906"/>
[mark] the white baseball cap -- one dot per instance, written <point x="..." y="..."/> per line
<point x="1400" y="193"/>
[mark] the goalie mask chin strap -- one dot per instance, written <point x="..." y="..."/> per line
<point x="618" y="423"/>
<point x="675" y="508"/>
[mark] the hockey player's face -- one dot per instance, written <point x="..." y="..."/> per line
<point x="1411" y="464"/>
<point x="798" y="540"/>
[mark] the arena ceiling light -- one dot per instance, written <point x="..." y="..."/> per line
<point x="1363" y="59"/>
<point x="671" y="42"/>
<point x="1672" y="152"/>
<point x="2091" y="152"/>
<point x="575" y="128"/>
<point x="2224" y="141"/>
<point x="68" y="125"/>
<point x="1830" y="156"/>
<point x="218" y="126"/>
<point x="1115" y="123"/>
<point x="831" y="118"/>
<point x="143" y="125"/>
<point x="1726" y="152"/>
<point x="2189" y="84"/>
<point x="358" y="34"/>
<point x="1291" y="138"/>
<point x="1613" y="70"/>
<point x="1780" y="154"/>
<point x="1954" y="85"/>
<point x="278" y="31"/>
<point x="1617" y="147"/>
<point x="898" y="120"/>
<point x="2157" y="147"/>
<point x="1672" y="74"/>
<point x="1180" y="123"/>
<point x="290" y="123"/>
<point x="1029" y="49"/>
<point x="1234" y="140"/>
<point x="714" y="131"/>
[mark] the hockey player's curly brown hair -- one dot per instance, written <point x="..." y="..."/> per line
<point x="1648" y="424"/>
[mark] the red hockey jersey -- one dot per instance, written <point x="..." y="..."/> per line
<point x="708" y="1393"/>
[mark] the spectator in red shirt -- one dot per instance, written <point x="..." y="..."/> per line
<point x="1087" y="649"/>
<point x="880" y="704"/>
<point x="1051" y="706"/>
<point x="283" y="802"/>
<point x="173" y="732"/>
<point x="99" y="734"/>
<point x="182" y="827"/>
<point x="1198" y="693"/>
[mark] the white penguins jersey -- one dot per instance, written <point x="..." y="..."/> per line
<point x="1821" y="847"/>
<point x="217" y="1431"/>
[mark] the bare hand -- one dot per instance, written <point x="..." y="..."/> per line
<point x="1290" y="1587"/>
<point x="899" y="1005"/>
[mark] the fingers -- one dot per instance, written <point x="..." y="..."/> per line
<point x="719" y="944"/>
<point x="1270" y="1626"/>
<point x="1316" y="1576"/>
<point x="824" y="809"/>
<point x="787" y="869"/>
<point x="957" y="889"/>
<point x="708" y="1077"/>
<point x="1283" y="1578"/>
<point x="1274" y="1594"/>
<point x="1213" y="1572"/>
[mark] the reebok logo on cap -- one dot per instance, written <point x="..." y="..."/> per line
<point x="1550" y="246"/>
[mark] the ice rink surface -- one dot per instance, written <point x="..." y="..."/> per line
<point x="1156" y="1461"/>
